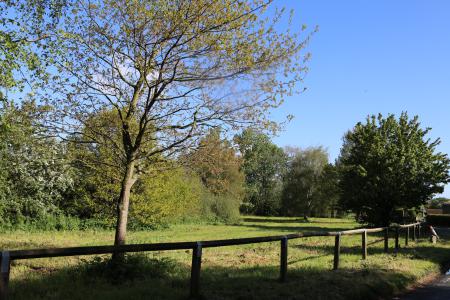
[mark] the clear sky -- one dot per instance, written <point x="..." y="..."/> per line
<point x="371" y="57"/>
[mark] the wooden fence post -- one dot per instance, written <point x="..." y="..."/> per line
<point x="407" y="236"/>
<point x="4" y="273"/>
<point x="337" y="251"/>
<point x="397" y="232"/>
<point x="414" y="233"/>
<point x="364" y="244"/>
<point x="283" y="259"/>
<point x="195" y="270"/>
<point x="386" y="240"/>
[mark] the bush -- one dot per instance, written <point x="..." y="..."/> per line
<point x="225" y="208"/>
<point x="438" y="220"/>
<point x="134" y="267"/>
<point x="165" y="197"/>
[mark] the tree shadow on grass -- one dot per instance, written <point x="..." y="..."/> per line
<point x="328" y="249"/>
<point x="306" y="283"/>
<point x="421" y="250"/>
<point x="148" y="278"/>
<point x="140" y="277"/>
<point x="273" y="220"/>
<point x="293" y="220"/>
<point x="435" y="254"/>
<point x="292" y="229"/>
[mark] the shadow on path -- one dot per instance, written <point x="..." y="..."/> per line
<point x="439" y="289"/>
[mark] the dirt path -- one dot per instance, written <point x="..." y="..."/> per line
<point x="437" y="290"/>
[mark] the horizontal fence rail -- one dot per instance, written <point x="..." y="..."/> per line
<point x="196" y="247"/>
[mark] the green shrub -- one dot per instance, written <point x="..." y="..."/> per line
<point x="163" y="197"/>
<point x="219" y="208"/>
<point x="134" y="267"/>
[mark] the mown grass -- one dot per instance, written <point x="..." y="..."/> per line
<point x="234" y="272"/>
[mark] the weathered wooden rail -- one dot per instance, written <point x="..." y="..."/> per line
<point x="196" y="247"/>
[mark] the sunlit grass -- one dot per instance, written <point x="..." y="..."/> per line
<point x="233" y="272"/>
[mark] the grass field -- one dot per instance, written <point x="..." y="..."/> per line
<point x="234" y="272"/>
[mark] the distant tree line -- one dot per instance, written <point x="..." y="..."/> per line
<point x="47" y="180"/>
<point x="437" y="202"/>
<point x="387" y="170"/>
<point x="43" y="177"/>
<point x="386" y="166"/>
<point x="286" y="182"/>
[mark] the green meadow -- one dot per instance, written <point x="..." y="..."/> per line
<point x="233" y="272"/>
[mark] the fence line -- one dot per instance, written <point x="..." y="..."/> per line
<point x="196" y="247"/>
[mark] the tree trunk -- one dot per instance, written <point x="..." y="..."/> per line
<point x="308" y="207"/>
<point x="122" y="209"/>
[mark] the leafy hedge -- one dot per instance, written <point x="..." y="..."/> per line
<point x="438" y="220"/>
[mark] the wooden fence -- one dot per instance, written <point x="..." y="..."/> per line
<point x="196" y="247"/>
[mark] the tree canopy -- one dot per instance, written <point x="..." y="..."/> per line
<point x="264" y="164"/>
<point x="387" y="164"/>
<point x="216" y="163"/>
<point x="170" y="70"/>
<point x="25" y="26"/>
<point x="304" y="184"/>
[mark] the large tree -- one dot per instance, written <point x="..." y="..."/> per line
<point x="219" y="168"/>
<point x="264" y="164"/>
<point x="217" y="164"/>
<point x="388" y="164"/>
<point x="303" y="187"/>
<point x="169" y="70"/>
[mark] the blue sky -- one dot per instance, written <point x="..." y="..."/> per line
<point x="370" y="57"/>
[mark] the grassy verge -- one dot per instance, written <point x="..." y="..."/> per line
<point x="235" y="272"/>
